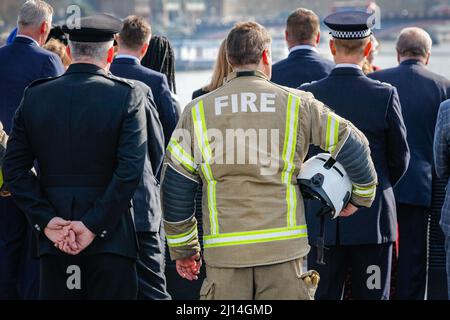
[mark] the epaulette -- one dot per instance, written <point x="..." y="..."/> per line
<point x="307" y="83"/>
<point x="122" y="80"/>
<point x="40" y="81"/>
<point x="385" y="83"/>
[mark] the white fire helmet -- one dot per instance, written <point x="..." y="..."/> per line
<point x="322" y="178"/>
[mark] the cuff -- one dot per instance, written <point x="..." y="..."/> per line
<point x="363" y="196"/>
<point x="182" y="238"/>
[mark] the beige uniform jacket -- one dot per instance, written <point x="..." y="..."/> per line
<point x="246" y="142"/>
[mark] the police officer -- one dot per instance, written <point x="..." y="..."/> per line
<point x="86" y="130"/>
<point x="413" y="193"/>
<point x="246" y="143"/>
<point x="362" y="242"/>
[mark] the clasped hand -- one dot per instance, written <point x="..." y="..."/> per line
<point x="71" y="237"/>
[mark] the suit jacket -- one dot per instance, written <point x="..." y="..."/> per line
<point x="86" y="130"/>
<point x="375" y="109"/>
<point x="441" y="159"/>
<point x="131" y="69"/>
<point x="21" y="63"/>
<point x="301" y="66"/>
<point x="146" y="200"/>
<point x="421" y="93"/>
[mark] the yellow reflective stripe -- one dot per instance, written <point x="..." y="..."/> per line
<point x="182" y="239"/>
<point x="365" y="192"/>
<point x="290" y="143"/>
<point x="198" y="117"/>
<point x="182" y="156"/>
<point x="332" y="134"/>
<point x="1" y="178"/>
<point x="241" y="238"/>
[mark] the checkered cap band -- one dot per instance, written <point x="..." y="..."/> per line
<point x="351" y="34"/>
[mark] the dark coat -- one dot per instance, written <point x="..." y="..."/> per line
<point x="131" y="69"/>
<point x="421" y="93"/>
<point x="375" y="109"/>
<point x="86" y="131"/>
<point x="146" y="200"/>
<point x="301" y="66"/>
<point x="21" y="63"/>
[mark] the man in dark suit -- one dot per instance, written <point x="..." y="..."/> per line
<point x="128" y="64"/>
<point x="133" y="43"/>
<point x="304" y="64"/>
<point x="86" y="130"/>
<point x="22" y="62"/>
<point x="413" y="193"/>
<point x="362" y="242"/>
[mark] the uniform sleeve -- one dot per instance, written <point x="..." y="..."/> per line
<point x="178" y="188"/>
<point x="23" y="185"/>
<point x="167" y="109"/>
<point x="156" y="143"/>
<point x="107" y="210"/>
<point x="347" y="145"/>
<point x="441" y="141"/>
<point x="397" y="146"/>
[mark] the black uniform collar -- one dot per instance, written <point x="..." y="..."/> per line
<point x="85" y="68"/>
<point x="245" y="73"/>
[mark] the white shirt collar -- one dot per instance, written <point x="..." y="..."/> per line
<point x="127" y="56"/>
<point x="303" y="47"/>
<point x="348" y="65"/>
<point x="30" y="38"/>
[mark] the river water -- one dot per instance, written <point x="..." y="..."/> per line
<point x="188" y="82"/>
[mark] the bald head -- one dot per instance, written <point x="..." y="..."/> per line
<point x="414" y="43"/>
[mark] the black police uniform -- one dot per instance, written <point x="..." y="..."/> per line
<point x="362" y="242"/>
<point x="86" y="131"/>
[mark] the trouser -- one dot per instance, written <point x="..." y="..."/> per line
<point x="19" y="273"/>
<point x="94" y="277"/>
<point x="283" y="281"/>
<point x="150" y="267"/>
<point x="447" y="250"/>
<point x="412" y="254"/>
<point x="370" y="271"/>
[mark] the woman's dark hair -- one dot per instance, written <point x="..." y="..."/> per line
<point x="161" y="57"/>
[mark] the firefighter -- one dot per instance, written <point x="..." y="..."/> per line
<point x="246" y="143"/>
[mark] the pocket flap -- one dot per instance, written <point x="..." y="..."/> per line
<point x="207" y="287"/>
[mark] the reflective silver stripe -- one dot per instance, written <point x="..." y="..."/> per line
<point x="183" y="240"/>
<point x="182" y="156"/>
<point x="332" y="134"/>
<point x="365" y="192"/>
<point x="255" y="237"/>
<point x="198" y="117"/>
<point x="290" y="144"/>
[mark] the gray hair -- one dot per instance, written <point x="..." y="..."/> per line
<point x="94" y="51"/>
<point x="414" y="42"/>
<point x="34" y="13"/>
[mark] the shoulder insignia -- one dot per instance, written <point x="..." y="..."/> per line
<point x="122" y="80"/>
<point x="384" y="83"/>
<point x="41" y="81"/>
<point x="307" y="84"/>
